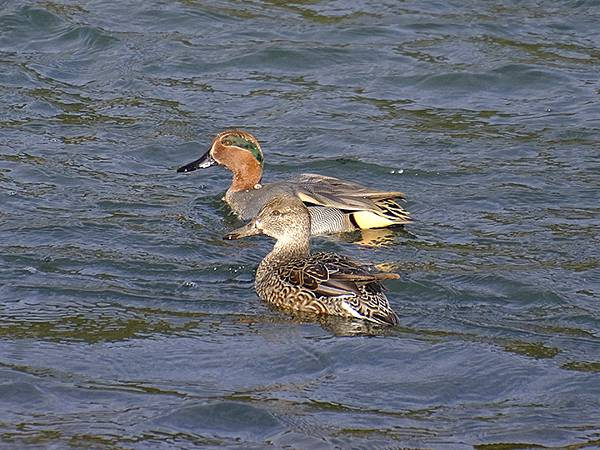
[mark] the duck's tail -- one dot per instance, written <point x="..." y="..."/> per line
<point x="386" y="212"/>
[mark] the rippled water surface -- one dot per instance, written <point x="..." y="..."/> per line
<point x="125" y="320"/>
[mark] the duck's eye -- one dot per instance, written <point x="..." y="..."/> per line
<point x="226" y="142"/>
<point x="276" y="213"/>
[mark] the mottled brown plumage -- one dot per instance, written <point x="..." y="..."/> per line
<point x="321" y="283"/>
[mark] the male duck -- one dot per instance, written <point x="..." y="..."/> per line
<point x="321" y="283"/>
<point x="335" y="205"/>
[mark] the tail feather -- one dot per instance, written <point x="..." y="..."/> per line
<point x="393" y="210"/>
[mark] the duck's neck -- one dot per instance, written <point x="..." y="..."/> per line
<point x="246" y="170"/>
<point x="242" y="182"/>
<point x="286" y="249"/>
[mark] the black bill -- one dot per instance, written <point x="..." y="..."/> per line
<point x="201" y="163"/>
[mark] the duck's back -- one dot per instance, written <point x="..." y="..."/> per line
<point x="325" y="283"/>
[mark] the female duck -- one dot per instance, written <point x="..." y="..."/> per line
<point x="321" y="283"/>
<point x="335" y="205"/>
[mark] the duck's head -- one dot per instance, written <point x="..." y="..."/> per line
<point x="237" y="150"/>
<point x="284" y="218"/>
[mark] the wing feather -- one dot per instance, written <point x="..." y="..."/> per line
<point x="370" y="208"/>
<point x="330" y="191"/>
<point x="326" y="274"/>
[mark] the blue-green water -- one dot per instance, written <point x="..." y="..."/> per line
<point x="126" y="322"/>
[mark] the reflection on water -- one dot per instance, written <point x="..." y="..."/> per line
<point x="127" y="322"/>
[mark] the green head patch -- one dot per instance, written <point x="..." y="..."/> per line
<point x="245" y="143"/>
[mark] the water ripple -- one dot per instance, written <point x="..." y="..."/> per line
<point x="126" y="315"/>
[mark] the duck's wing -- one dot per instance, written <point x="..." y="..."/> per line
<point x="332" y="275"/>
<point x="370" y="302"/>
<point x="331" y="191"/>
<point x="370" y="208"/>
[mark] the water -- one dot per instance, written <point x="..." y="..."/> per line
<point x="126" y="322"/>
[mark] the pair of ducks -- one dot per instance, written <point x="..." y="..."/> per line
<point x="290" y="277"/>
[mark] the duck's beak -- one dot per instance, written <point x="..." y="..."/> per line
<point x="250" y="229"/>
<point x="201" y="163"/>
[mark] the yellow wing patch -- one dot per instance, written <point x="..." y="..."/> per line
<point x="368" y="219"/>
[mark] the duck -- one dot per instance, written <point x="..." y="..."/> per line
<point x="335" y="205"/>
<point x="293" y="279"/>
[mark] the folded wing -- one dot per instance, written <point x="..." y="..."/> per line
<point x="369" y="208"/>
